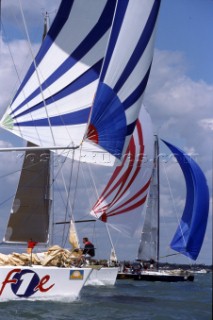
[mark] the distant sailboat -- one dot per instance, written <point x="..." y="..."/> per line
<point x="82" y="94"/>
<point x="190" y="233"/>
<point x="149" y="242"/>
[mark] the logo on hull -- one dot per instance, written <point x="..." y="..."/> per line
<point x="25" y="282"/>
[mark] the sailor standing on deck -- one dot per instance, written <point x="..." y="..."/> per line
<point x="89" y="250"/>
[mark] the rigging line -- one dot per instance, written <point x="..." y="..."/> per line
<point x="173" y="202"/>
<point x="51" y="199"/>
<point x="76" y="185"/>
<point x="36" y="70"/>
<point x="56" y="186"/>
<point x="54" y="180"/>
<point x="80" y="167"/>
<point x="75" y="189"/>
<point x="72" y="206"/>
<point x="59" y="156"/>
<point x="87" y="189"/>
<point x="76" y="221"/>
<point x="11" y="173"/>
<point x="64" y="239"/>
<point x="106" y="224"/>
<point x="6" y="200"/>
<point x="30" y="50"/>
<point x="11" y="56"/>
<point x="110" y="238"/>
<point x="93" y="181"/>
<point x="69" y="205"/>
<point x="169" y="255"/>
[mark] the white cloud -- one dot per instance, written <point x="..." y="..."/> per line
<point x="181" y="108"/>
<point x="206" y="124"/>
<point x="171" y="92"/>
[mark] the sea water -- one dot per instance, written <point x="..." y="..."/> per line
<point x="128" y="299"/>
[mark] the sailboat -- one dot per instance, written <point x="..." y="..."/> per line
<point x="191" y="229"/>
<point x="82" y="94"/>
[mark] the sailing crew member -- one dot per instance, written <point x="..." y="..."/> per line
<point x="89" y="249"/>
<point x="87" y="254"/>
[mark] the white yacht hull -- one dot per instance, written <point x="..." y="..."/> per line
<point x="103" y="276"/>
<point x="18" y="282"/>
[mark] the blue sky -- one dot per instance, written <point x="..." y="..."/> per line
<point x="186" y="25"/>
<point x="179" y="96"/>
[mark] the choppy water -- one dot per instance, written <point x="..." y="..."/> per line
<point x="126" y="300"/>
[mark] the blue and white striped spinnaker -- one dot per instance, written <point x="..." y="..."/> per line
<point x="52" y="105"/>
<point x="96" y="52"/>
<point x="124" y="75"/>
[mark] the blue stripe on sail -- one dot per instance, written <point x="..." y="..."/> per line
<point x="189" y="235"/>
<point x="73" y="118"/>
<point x="136" y="94"/>
<point x="130" y="128"/>
<point x="118" y="20"/>
<point x="141" y="46"/>
<point x="84" y="47"/>
<point x="84" y="80"/>
<point x="110" y="123"/>
<point x="58" y="23"/>
<point x="101" y="27"/>
<point x="61" y="18"/>
<point x="99" y="123"/>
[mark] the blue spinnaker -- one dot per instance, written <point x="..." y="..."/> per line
<point x="190" y="233"/>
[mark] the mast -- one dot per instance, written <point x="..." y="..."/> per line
<point x="149" y="246"/>
<point x="46" y="24"/>
<point x="157" y="164"/>
<point x="50" y="177"/>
